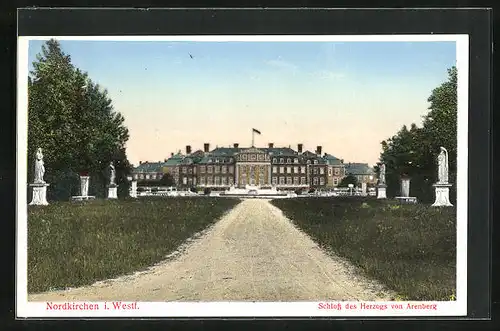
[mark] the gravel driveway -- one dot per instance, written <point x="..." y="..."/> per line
<point x="252" y="254"/>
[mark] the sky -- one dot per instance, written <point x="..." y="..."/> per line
<point x="344" y="96"/>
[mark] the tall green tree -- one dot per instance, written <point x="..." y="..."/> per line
<point x="73" y="120"/>
<point x="413" y="152"/>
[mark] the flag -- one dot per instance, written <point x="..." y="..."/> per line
<point x="256" y="131"/>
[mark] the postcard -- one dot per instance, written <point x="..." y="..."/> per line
<point x="242" y="176"/>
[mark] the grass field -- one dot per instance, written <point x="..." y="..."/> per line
<point x="74" y="244"/>
<point x="409" y="248"/>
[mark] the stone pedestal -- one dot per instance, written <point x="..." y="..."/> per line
<point x="405" y="192"/>
<point x="364" y="191"/>
<point x="39" y="194"/>
<point x="133" y="189"/>
<point x="113" y="191"/>
<point x="84" y="185"/>
<point x="442" y="195"/>
<point x="405" y="187"/>
<point x="381" y="191"/>
<point x="84" y="190"/>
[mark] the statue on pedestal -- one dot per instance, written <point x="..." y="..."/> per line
<point x="112" y="177"/>
<point x="381" y="176"/>
<point x="443" y="166"/>
<point x="39" y="167"/>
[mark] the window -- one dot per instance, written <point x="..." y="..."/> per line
<point x="224" y="169"/>
<point x="302" y="180"/>
<point x="308" y="161"/>
<point x="209" y="160"/>
<point x="303" y="169"/>
<point x="202" y="180"/>
<point x="231" y="169"/>
<point x="296" y="170"/>
<point x="275" y="169"/>
<point x="295" y="160"/>
<point x="281" y="160"/>
<point x="224" y="180"/>
<point x="288" y="170"/>
<point x="184" y="180"/>
<point x="217" y="180"/>
<point x="147" y="176"/>
<point x="282" y="180"/>
<point x="282" y="170"/>
<point x="253" y="157"/>
<point x="190" y="170"/>
<point x="261" y="157"/>
<point x="321" y="181"/>
<point x="335" y="181"/>
<point x="194" y="181"/>
<point x="322" y="171"/>
<point x="209" y="180"/>
<point x="315" y="181"/>
<point x="289" y="180"/>
<point x="209" y="169"/>
<point x="194" y="170"/>
<point x="243" y="157"/>
<point x="190" y="181"/>
<point x="231" y="180"/>
<point x="315" y="161"/>
<point x="141" y="176"/>
<point x="216" y="169"/>
<point x="315" y="170"/>
<point x="336" y="171"/>
<point x="274" y="180"/>
<point x="216" y="160"/>
<point x="184" y="170"/>
<point x="295" y="180"/>
<point x="153" y="176"/>
<point x="330" y="172"/>
<point x="135" y="176"/>
<point x="275" y="160"/>
<point x="288" y="161"/>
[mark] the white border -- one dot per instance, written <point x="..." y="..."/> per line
<point x="246" y="309"/>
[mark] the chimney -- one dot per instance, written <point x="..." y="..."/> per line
<point x="140" y="162"/>
<point x="206" y="147"/>
<point x="271" y="145"/>
<point x="318" y="150"/>
<point x="235" y="145"/>
<point x="188" y="150"/>
<point x="172" y="154"/>
<point x="299" y="148"/>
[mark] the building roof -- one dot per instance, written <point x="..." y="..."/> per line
<point x="174" y="160"/>
<point x="358" y="169"/>
<point x="332" y="160"/>
<point x="150" y="167"/>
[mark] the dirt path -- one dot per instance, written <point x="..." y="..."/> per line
<point x="252" y="254"/>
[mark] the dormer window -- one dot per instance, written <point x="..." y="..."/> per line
<point x="308" y="161"/>
<point x="315" y="161"/>
<point x="295" y="160"/>
<point x="282" y="160"/>
<point x="209" y="160"/>
<point x="275" y="160"/>
<point x="288" y="161"/>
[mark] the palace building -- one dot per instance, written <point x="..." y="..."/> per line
<point x="223" y="167"/>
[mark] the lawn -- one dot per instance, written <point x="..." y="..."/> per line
<point x="74" y="244"/>
<point x="409" y="248"/>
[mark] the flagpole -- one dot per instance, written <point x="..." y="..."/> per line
<point x="253" y="134"/>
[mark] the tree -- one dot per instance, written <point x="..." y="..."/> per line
<point x="73" y="120"/>
<point x="349" y="179"/>
<point x="413" y="151"/>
